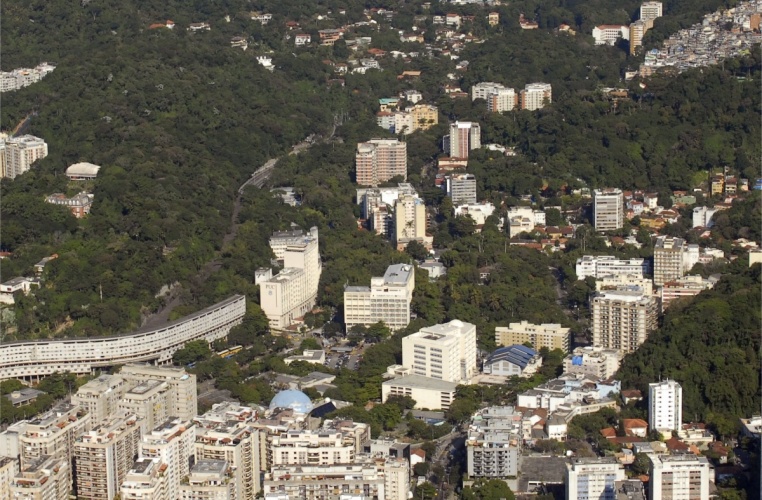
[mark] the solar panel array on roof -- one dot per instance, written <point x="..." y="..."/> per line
<point x="519" y="355"/>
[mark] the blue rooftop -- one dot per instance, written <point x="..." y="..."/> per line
<point x="519" y="355"/>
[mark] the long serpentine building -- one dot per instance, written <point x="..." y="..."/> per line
<point x="33" y="360"/>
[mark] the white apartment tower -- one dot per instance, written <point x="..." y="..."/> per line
<point x="679" y="476"/>
<point x="409" y="221"/>
<point x="172" y="443"/>
<point x="20" y="152"/>
<point x="536" y="96"/>
<point x="104" y="455"/>
<point x="650" y="10"/>
<point x="498" y="97"/>
<point x="44" y="478"/>
<point x="622" y="319"/>
<point x="673" y="257"/>
<point x="608" y="209"/>
<point x="210" y="480"/>
<point x="387" y="299"/>
<point x="182" y="399"/>
<point x="593" y="478"/>
<point x="446" y="352"/>
<point x="147" y="479"/>
<point x="665" y="406"/>
<point x="464" y="136"/>
<point x="461" y="188"/>
<point x="224" y="434"/>
<point x="378" y="160"/>
<point x="291" y="293"/>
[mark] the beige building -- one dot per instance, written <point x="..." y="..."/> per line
<point x="550" y="335"/>
<point x="9" y="468"/>
<point x="673" y="257"/>
<point x="650" y="10"/>
<point x="182" y="399"/>
<point x="20" y="152"/>
<point x="378" y="160"/>
<point x="536" y="96"/>
<point x="679" y="476"/>
<point x="172" y="443"/>
<point x="149" y="401"/>
<point x="147" y="479"/>
<point x="224" y="434"/>
<point x="687" y="286"/>
<point x="424" y="116"/>
<point x="100" y="397"/>
<point x="44" y="478"/>
<point x="409" y="221"/>
<point x="210" y="480"/>
<point x="428" y="393"/>
<point x="624" y="281"/>
<point x="596" y="361"/>
<point x="291" y="293"/>
<point x="622" y="320"/>
<point x="372" y="478"/>
<point x="608" y="209"/>
<point x="499" y="98"/>
<point x="319" y="447"/>
<point x="104" y="455"/>
<point x="387" y="299"/>
<point x="444" y="352"/>
<point x="464" y="136"/>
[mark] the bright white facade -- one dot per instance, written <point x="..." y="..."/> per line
<point x="387" y="299"/>
<point x="665" y="406"/>
<point x="650" y="10"/>
<point x="478" y="212"/>
<point x="209" y="480"/>
<point x="608" y="209"/>
<point x="550" y="335"/>
<point x="291" y="293"/>
<point x="679" y="476"/>
<point x="608" y="34"/>
<point x="702" y="217"/>
<point x="146" y="479"/>
<point x="494" y="442"/>
<point x="428" y="393"/>
<point x="19" y="153"/>
<point x="444" y="352"/>
<point x="22" y="77"/>
<point x="318" y="447"/>
<point x="597" y="361"/>
<point x="35" y="359"/>
<point x="172" y="443"/>
<point x="593" y="478"/>
<point x="598" y="266"/>
<point x="499" y="97"/>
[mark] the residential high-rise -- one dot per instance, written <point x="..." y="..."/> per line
<point x="210" y="480"/>
<point x="44" y="478"/>
<point x="464" y="136"/>
<point x="9" y="468"/>
<point x="377" y="205"/>
<point x="182" y="399"/>
<point x="598" y="266"/>
<point x="293" y="291"/>
<point x="673" y="257"/>
<point x="149" y="401"/>
<point x="593" y="478"/>
<point x="409" y="221"/>
<point x="104" y="455"/>
<point x="318" y="447"/>
<point x="21" y="152"/>
<point x="461" y="188"/>
<point x="494" y="442"/>
<point x="445" y="352"/>
<point x="387" y="299"/>
<point x="665" y="406"/>
<point x="220" y="436"/>
<point x="650" y="10"/>
<point x="608" y="209"/>
<point x="637" y="31"/>
<point x="147" y="479"/>
<point x="679" y="476"/>
<point x="396" y="479"/>
<point x="499" y="97"/>
<point x="378" y="160"/>
<point x="536" y="96"/>
<point x="100" y="396"/>
<point x="550" y="335"/>
<point x="622" y="319"/>
<point x="172" y="443"/>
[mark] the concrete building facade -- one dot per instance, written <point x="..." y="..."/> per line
<point x="536" y="95"/>
<point x="622" y="320"/>
<point x="665" y="406"/>
<point x="461" y="188"/>
<point x="550" y="335"/>
<point x="387" y="299"/>
<point x="44" y="478"/>
<point x="20" y="152"/>
<point x="464" y="136"/>
<point x="444" y="352"/>
<point x="679" y="476"/>
<point x="593" y="478"/>
<point x="608" y="209"/>
<point x="378" y="160"/>
<point x="409" y="221"/>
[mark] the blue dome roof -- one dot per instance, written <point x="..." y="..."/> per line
<point x="296" y="400"/>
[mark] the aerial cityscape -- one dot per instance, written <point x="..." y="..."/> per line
<point x="468" y="249"/>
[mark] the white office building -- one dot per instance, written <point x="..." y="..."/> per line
<point x="608" y="209"/>
<point x="679" y="477"/>
<point x="702" y="217"/>
<point x="598" y="266"/>
<point x="650" y="10"/>
<point x="291" y="293"/>
<point x="461" y="188"/>
<point x="444" y="352"/>
<point x="608" y="34"/>
<point x="665" y="406"/>
<point x="593" y="478"/>
<point x="387" y="299"/>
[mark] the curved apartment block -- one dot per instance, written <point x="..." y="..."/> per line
<point x="35" y="359"/>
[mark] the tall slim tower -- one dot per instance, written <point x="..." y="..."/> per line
<point x="464" y="136"/>
<point x="665" y="406"/>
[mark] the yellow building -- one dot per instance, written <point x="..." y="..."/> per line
<point x="493" y="18"/>
<point x="425" y="116"/>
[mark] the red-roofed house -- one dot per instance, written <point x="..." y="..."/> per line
<point x="608" y="433"/>
<point x="635" y="427"/>
<point x="417" y="456"/>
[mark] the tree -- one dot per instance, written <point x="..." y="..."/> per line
<point x="425" y="491"/>
<point x="416" y="250"/>
<point x="421" y="469"/>
<point x="492" y="489"/>
<point x="641" y="465"/>
<point x="192" y="352"/>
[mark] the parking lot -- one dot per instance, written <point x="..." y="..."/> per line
<point x="347" y="360"/>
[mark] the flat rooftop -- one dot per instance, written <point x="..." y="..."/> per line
<point x="417" y="381"/>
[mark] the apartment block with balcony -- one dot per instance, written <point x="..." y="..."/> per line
<point x="9" y="468"/>
<point x="588" y="478"/>
<point x="535" y="96"/>
<point x="410" y="222"/>
<point x="210" y="480"/>
<point x="378" y="160"/>
<point x="499" y="98"/>
<point x="173" y="444"/>
<point x="149" y="400"/>
<point x="305" y="447"/>
<point x="19" y="153"/>
<point x="387" y="299"/>
<point x="598" y="266"/>
<point x="463" y="137"/>
<point x="597" y="361"/>
<point x="182" y="398"/>
<point x="665" y="406"/>
<point x="291" y="293"/>
<point x="550" y="335"/>
<point x="494" y="442"/>
<point x="673" y="257"/>
<point x="224" y="434"/>
<point x="105" y="454"/>
<point x="608" y="209"/>
<point x="679" y="476"/>
<point x="685" y="287"/>
<point x="100" y="396"/>
<point x="461" y="188"/>
<point x="651" y="10"/>
<point x="44" y="478"/>
<point x="622" y="320"/>
<point x="147" y="479"/>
